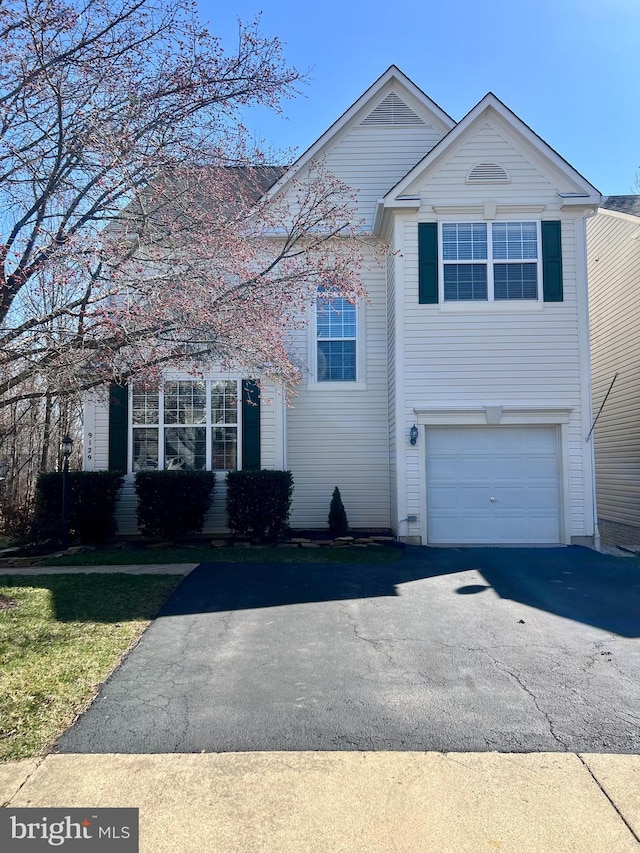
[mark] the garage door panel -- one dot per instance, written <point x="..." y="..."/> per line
<point x="516" y="466"/>
<point x="543" y="498"/>
<point x="509" y="467"/>
<point x="480" y="528"/>
<point x="542" y="468"/>
<point x="474" y="469"/>
<point x="513" y="531"/>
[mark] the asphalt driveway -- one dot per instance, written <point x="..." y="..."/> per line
<point x="513" y="650"/>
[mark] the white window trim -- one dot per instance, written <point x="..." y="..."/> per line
<point x="359" y="384"/>
<point x="208" y="424"/>
<point x="514" y="304"/>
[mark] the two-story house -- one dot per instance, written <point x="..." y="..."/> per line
<point x="453" y="405"/>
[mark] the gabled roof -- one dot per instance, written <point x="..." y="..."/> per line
<point x="392" y="73"/>
<point x="491" y="102"/>
<point x="622" y="204"/>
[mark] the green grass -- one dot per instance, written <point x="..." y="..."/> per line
<point x="146" y="556"/>
<point x="59" y="640"/>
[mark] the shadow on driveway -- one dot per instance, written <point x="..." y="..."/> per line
<point x="575" y="583"/>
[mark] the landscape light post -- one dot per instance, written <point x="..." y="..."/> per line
<point x="67" y="447"/>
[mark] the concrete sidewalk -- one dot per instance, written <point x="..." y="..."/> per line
<point x="150" y="569"/>
<point x="351" y="802"/>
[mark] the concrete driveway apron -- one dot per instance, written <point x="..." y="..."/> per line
<point x="509" y="650"/>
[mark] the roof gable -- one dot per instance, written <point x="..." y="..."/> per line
<point x="392" y="101"/>
<point x="491" y="113"/>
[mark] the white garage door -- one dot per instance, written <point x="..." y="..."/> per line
<point x="496" y="485"/>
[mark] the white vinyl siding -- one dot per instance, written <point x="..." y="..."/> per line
<point x="445" y="182"/>
<point x="614" y="307"/>
<point x="521" y="357"/>
<point x="96" y="421"/>
<point x="372" y="158"/>
<point x="337" y="434"/>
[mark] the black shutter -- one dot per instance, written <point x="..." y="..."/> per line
<point x="118" y="427"/>
<point x="250" y="426"/>
<point x="552" y="261"/>
<point x="427" y="263"/>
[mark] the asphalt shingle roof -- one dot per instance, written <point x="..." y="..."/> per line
<point x="622" y="204"/>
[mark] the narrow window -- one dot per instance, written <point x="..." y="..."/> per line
<point x="336" y="331"/>
<point x="224" y="420"/>
<point x="515" y="256"/>
<point x="145" y="414"/>
<point x="185" y="432"/>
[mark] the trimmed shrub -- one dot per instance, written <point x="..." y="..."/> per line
<point x="259" y="502"/>
<point x="173" y="503"/>
<point x="92" y="504"/>
<point x="338" y="524"/>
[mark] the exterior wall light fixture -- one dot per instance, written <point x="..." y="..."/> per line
<point x="413" y="436"/>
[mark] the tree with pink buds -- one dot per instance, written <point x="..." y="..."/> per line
<point x="135" y="229"/>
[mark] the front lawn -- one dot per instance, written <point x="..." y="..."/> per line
<point x="148" y="556"/>
<point x="60" y="637"/>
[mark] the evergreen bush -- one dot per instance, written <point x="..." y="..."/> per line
<point x="173" y="503"/>
<point x="338" y="524"/>
<point x="259" y="502"/>
<point x="92" y="504"/>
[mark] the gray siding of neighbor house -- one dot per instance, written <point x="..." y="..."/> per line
<point x="614" y="308"/>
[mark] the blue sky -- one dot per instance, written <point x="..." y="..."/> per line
<point x="569" y="68"/>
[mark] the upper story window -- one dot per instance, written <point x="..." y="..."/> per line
<point x="188" y="425"/>
<point x="496" y="261"/>
<point x="336" y="338"/>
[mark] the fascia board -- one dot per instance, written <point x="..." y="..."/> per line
<point x="490" y="101"/>
<point x="393" y="72"/>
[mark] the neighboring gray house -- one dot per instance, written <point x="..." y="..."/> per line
<point x="476" y="333"/>
<point x="614" y="309"/>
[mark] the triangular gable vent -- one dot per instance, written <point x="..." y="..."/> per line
<point x="487" y="173"/>
<point x="392" y="112"/>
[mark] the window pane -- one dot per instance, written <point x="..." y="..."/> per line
<point x="336" y="361"/>
<point x="464" y="241"/>
<point x="515" y="240"/>
<point x="224" y="402"/>
<point x="224" y="449"/>
<point x="144" y="406"/>
<point x="145" y="449"/>
<point x="184" y="402"/>
<point x="336" y="318"/>
<point x="515" y="281"/>
<point x="185" y="448"/>
<point x="465" y="281"/>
